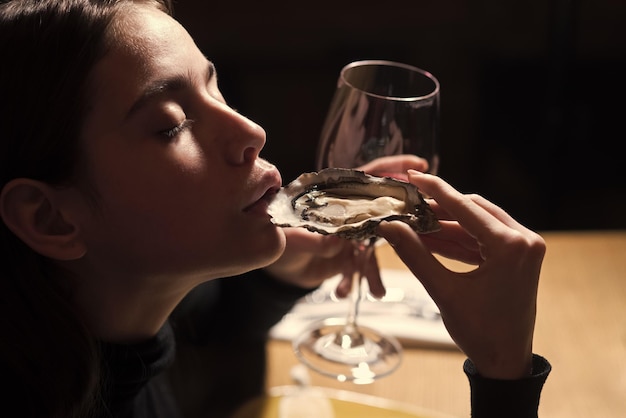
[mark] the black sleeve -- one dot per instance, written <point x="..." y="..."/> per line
<point x="221" y="332"/>
<point x="493" y="398"/>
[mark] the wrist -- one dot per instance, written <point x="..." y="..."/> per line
<point x="506" y="367"/>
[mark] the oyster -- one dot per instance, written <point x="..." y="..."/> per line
<point x="350" y="203"/>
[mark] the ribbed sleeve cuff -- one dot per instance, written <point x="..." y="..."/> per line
<point x="495" y="398"/>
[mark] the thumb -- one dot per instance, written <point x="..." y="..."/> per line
<point x="325" y="246"/>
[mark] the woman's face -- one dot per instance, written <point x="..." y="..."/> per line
<point x="180" y="187"/>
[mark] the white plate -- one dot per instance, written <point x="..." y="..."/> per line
<point x="407" y="312"/>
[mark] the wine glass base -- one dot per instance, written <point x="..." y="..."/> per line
<point x="323" y="347"/>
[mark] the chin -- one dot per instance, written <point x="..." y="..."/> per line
<point x="266" y="251"/>
<point x="273" y="252"/>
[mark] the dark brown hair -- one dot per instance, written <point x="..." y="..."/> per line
<point x="48" y="359"/>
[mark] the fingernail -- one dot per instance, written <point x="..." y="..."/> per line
<point x="414" y="172"/>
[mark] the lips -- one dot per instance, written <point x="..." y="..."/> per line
<point x="270" y="183"/>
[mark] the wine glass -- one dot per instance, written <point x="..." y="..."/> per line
<point x="380" y="108"/>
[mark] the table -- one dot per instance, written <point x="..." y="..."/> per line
<point x="581" y="329"/>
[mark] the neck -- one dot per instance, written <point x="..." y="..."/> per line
<point x="125" y="310"/>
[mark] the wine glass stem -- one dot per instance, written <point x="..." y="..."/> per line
<point x="350" y="336"/>
<point x="355" y="299"/>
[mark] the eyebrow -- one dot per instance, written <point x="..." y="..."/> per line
<point x="168" y="85"/>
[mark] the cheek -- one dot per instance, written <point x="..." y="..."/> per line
<point x="151" y="184"/>
<point x="178" y="212"/>
<point x="156" y="241"/>
<point x="201" y="240"/>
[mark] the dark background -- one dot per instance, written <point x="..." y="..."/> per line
<point x="533" y="92"/>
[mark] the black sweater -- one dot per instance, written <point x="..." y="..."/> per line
<point x="210" y="357"/>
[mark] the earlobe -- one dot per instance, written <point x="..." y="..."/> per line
<point x="29" y="208"/>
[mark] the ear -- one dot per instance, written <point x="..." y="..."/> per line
<point x="32" y="211"/>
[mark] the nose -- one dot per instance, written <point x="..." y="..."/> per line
<point x="240" y="139"/>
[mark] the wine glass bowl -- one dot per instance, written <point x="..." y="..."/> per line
<point x="380" y="108"/>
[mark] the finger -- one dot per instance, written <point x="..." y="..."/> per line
<point x="477" y="221"/>
<point x="348" y="267"/>
<point x="395" y="165"/>
<point x="327" y="267"/>
<point x="453" y="232"/>
<point x="371" y="271"/>
<point x="344" y="287"/>
<point x="325" y="246"/>
<point x="452" y="250"/>
<point x="407" y="244"/>
<point x="497" y="212"/>
<point x="440" y="212"/>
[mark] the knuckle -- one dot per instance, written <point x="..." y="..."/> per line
<point x="524" y="244"/>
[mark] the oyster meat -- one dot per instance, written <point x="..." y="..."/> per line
<point x="350" y="203"/>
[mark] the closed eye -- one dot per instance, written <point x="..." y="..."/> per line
<point x="173" y="132"/>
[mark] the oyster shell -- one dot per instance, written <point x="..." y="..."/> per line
<point x="350" y="203"/>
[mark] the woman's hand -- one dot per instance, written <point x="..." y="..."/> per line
<point x="395" y="166"/>
<point x="310" y="258"/>
<point x="489" y="311"/>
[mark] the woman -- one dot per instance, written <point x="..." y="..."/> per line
<point x="127" y="182"/>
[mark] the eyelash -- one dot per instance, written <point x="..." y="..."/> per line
<point x="177" y="130"/>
